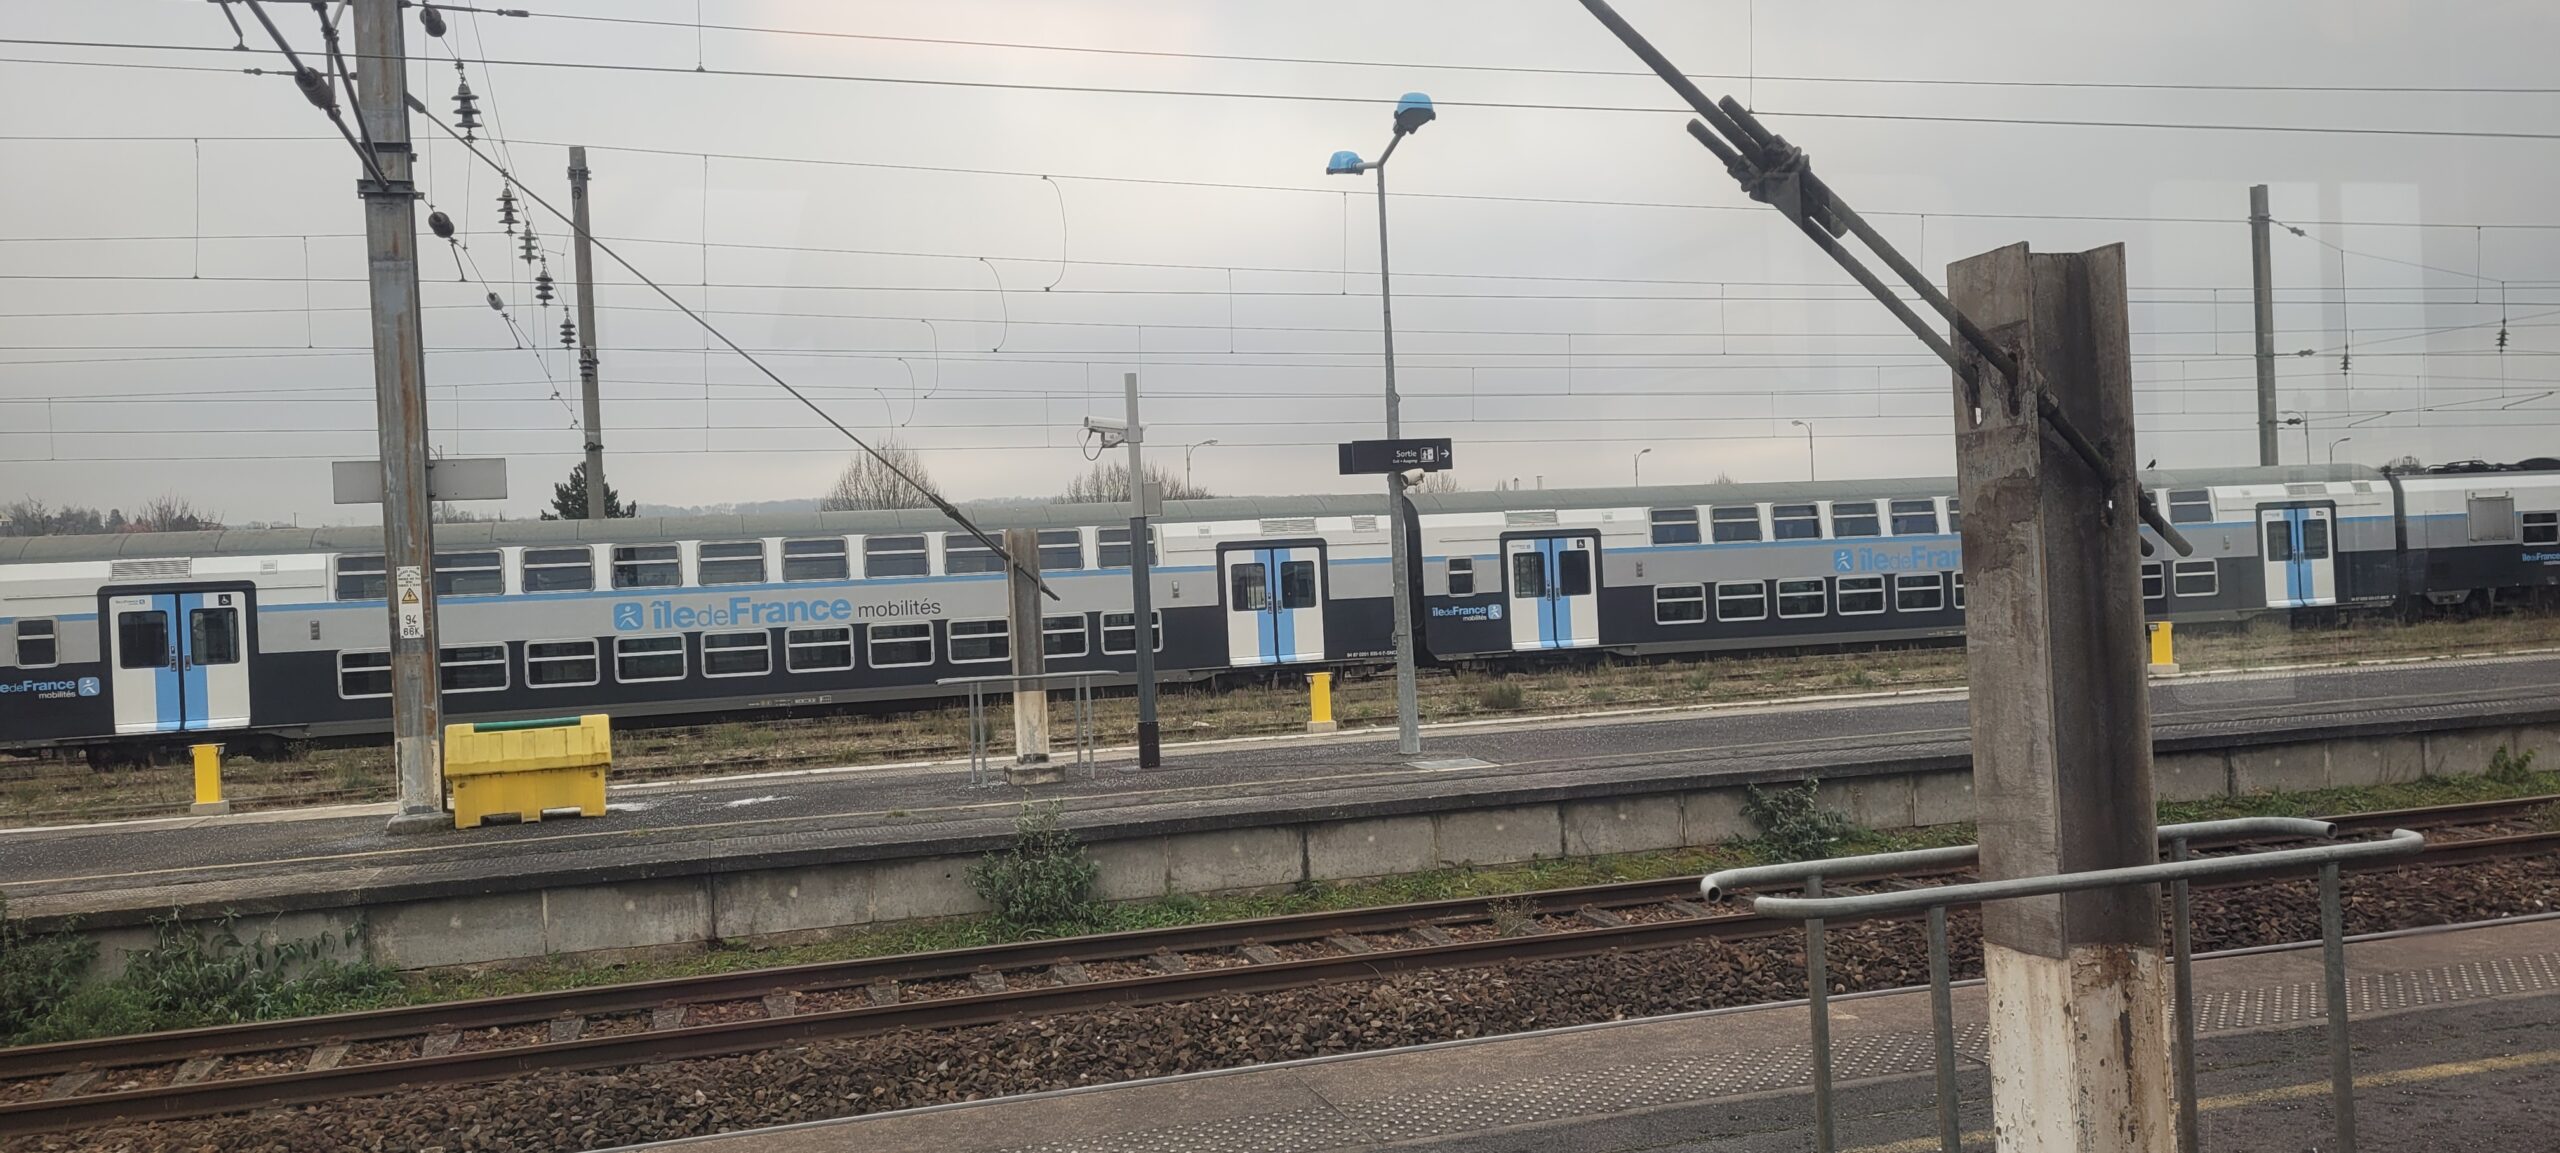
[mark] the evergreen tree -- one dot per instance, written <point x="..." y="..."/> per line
<point x="569" y="498"/>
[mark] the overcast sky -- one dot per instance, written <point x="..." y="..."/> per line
<point x="1553" y="337"/>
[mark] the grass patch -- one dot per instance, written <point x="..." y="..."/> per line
<point x="2419" y="793"/>
<point x="184" y="979"/>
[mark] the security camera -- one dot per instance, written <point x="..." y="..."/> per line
<point x="1411" y="477"/>
<point x="1105" y="424"/>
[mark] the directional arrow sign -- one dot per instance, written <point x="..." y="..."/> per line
<point x="1384" y="456"/>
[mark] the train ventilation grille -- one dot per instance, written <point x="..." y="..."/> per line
<point x="156" y="569"/>
<point x="1289" y="526"/>
<point x="2306" y="490"/>
<point x="1533" y="516"/>
<point x="1364" y="524"/>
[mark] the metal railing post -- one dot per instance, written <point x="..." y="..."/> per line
<point x="1942" y="1023"/>
<point x="2333" y="949"/>
<point x="1818" y="995"/>
<point x="977" y="736"/>
<point x="2182" y="960"/>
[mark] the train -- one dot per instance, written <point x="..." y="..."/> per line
<point x="135" y="640"/>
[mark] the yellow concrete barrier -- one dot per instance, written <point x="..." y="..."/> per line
<point x="1320" y="702"/>
<point x="2164" y="656"/>
<point x="209" y="800"/>
<point x="527" y="768"/>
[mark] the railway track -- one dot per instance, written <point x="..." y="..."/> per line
<point x="187" y="1073"/>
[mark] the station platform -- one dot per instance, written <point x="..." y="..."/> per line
<point x="766" y="857"/>
<point x="2456" y="1035"/>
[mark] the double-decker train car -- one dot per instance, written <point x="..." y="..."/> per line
<point x="153" y="638"/>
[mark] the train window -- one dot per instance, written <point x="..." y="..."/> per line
<point x="560" y="664"/>
<point x="1573" y="573"/>
<point x="2279" y="541"/>
<point x="2315" y="538"/>
<point x="360" y="578"/>
<point x="2493" y="518"/>
<point x="1854" y="596"/>
<point x="2542" y="528"/>
<point x="1679" y="604"/>
<point x="1062" y="549"/>
<point x="1462" y="576"/>
<point x="893" y="556"/>
<point x="729" y="562"/>
<point x="1742" y="601"/>
<point x="1113" y="550"/>
<point x="1955" y="514"/>
<point x="1528" y="575"/>
<point x="1120" y="634"/>
<point x="1735" y="524"/>
<point x="213" y="636"/>
<point x="962" y="553"/>
<point x="1248" y="589"/>
<point x="897" y="646"/>
<point x="817" y="650"/>
<point x="1675" y="526"/>
<point x="648" y="658"/>
<point x="2195" y="578"/>
<point x="1915" y="517"/>
<point x="142" y="640"/>
<point x="740" y="654"/>
<point x="1297" y="584"/>
<point x="1794" y="522"/>
<point x="470" y="574"/>
<point x="37" y="646"/>
<point x="1955" y="585"/>
<point x="2155" y="580"/>
<point x="559" y="570"/>
<point x="817" y="559"/>
<point x="1855" y="518"/>
<point x="1807" y="597"/>
<point x="646" y="566"/>
<point x="1063" y="636"/>
<point x="471" y="668"/>
<point x="364" y="675"/>
<point x="980" y="642"/>
<point x="2190" y="505"/>
<point x="1924" y="592"/>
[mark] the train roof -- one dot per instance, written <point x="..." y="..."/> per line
<point x="647" y="529"/>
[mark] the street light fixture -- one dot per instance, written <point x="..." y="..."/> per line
<point x="2333" y="447"/>
<point x="1186" y="459"/>
<point x="1639" y="463"/>
<point x="1412" y="112"/>
<point x="1807" y="426"/>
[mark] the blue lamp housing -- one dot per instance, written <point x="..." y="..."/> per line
<point x="1413" y="112"/>
<point x="1343" y="164"/>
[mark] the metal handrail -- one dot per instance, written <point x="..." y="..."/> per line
<point x="1718" y="885"/>
<point x="2178" y="872"/>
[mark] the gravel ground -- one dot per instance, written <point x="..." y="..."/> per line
<point x="567" y="1111"/>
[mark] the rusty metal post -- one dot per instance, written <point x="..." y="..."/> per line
<point x="400" y="405"/>
<point x="2054" y="651"/>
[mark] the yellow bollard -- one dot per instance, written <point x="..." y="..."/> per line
<point x="1320" y="702"/>
<point x="209" y="802"/>
<point x="2164" y="658"/>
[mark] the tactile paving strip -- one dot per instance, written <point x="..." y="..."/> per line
<point x="1621" y="1088"/>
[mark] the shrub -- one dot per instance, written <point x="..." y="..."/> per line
<point x="1502" y="696"/>
<point x="185" y="978"/>
<point x="2508" y="768"/>
<point x="37" y="973"/>
<point x="1792" y="822"/>
<point x="1044" y="879"/>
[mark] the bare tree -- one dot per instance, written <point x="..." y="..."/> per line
<point x="1107" y="482"/>
<point x="867" y="483"/>
<point x="172" y="513"/>
<point x="1438" y="482"/>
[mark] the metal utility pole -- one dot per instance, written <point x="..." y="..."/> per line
<point x="2080" y="1029"/>
<point x="599" y="506"/>
<point x="1142" y="630"/>
<point x="2263" y="302"/>
<point x="1408" y="700"/>
<point x="400" y="406"/>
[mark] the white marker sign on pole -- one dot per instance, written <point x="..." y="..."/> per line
<point x="411" y="595"/>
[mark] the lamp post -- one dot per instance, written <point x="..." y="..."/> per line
<point x="1639" y="463"/>
<point x="1412" y="112"/>
<point x="1807" y="426"/>
<point x="1186" y="458"/>
<point x="2333" y="447"/>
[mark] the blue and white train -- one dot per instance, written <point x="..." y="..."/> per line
<point x="153" y="638"/>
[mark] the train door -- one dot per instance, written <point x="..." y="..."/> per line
<point x="1275" y="603"/>
<point x="2300" y="555"/>
<point x="1553" y="591"/>
<point x="179" y="660"/>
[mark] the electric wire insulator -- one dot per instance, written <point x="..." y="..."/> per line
<point x="441" y="224"/>
<point x="542" y="286"/>
<point x="431" y="20"/>
<point x="507" y="208"/>
<point x="568" y="333"/>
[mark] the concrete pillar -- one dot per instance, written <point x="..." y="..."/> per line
<point x="2055" y="654"/>
<point x="1030" y="700"/>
